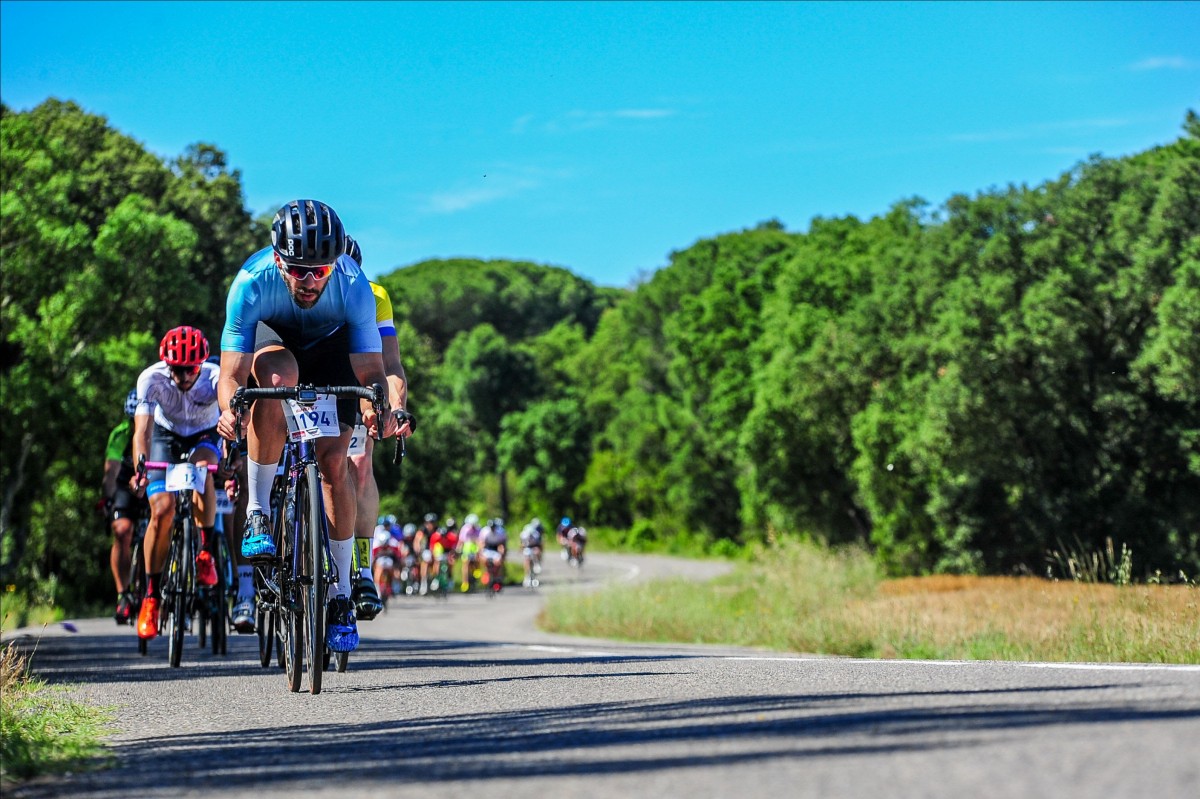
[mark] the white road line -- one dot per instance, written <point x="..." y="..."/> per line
<point x="894" y="662"/>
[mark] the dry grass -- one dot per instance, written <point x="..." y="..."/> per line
<point x="1027" y="618"/>
<point x="802" y="598"/>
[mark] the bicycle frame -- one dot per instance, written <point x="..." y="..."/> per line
<point x="297" y="583"/>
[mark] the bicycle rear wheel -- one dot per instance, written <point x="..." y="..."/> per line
<point x="136" y="586"/>
<point x="308" y="503"/>
<point x="291" y="611"/>
<point x="266" y="635"/>
<point x="219" y="598"/>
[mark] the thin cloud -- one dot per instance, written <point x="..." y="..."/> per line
<point x="1036" y="130"/>
<point x="1164" y="62"/>
<point x="492" y="187"/>
<point x="577" y="120"/>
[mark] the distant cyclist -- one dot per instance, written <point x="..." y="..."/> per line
<point x="122" y="506"/>
<point x="469" y="548"/>
<point x="176" y="415"/>
<point x="531" y="550"/>
<point x="494" y="541"/>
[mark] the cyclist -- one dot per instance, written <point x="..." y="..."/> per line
<point x="531" y="550"/>
<point x="468" y="548"/>
<point x="176" y="415"/>
<point x="560" y="533"/>
<point x="422" y="543"/>
<point x="386" y="553"/>
<point x="365" y="594"/>
<point x="121" y="505"/>
<point x="494" y="540"/>
<point x="443" y="543"/>
<point x="300" y="311"/>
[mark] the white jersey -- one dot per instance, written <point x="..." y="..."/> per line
<point x="530" y="537"/>
<point x="184" y="413"/>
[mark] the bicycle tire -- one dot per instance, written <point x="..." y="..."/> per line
<point x="220" y="597"/>
<point x="313" y="543"/>
<point x="167" y="590"/>
<point x="291" y="617"/>
<point x="266" y="635"/>
<point x="184" y="568"/>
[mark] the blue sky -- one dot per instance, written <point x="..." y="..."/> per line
<point x="602" y="136"/>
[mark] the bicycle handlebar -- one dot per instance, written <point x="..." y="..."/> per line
<point x="212" y="467"/>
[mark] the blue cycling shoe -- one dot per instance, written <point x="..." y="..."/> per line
<point x="257" y="543"/>
<point x="342" y="633"/>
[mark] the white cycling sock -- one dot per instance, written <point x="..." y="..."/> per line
<point x="343" y="556"/>
<point x="245" y="582"/>
<point x="260" y="477"/>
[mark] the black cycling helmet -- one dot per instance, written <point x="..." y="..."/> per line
<point x="353" y="250"/>
<point x="431" y="517"/>
<point x="131" y="402"/>
<point x="308" y="232"/>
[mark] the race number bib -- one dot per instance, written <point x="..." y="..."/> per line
<point x="358" y="440"/>
<point x="186" y="477"/>
<point x="224" y="503"/>
<point x="306" y="422"/>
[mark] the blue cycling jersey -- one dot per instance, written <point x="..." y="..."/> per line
<point x="259" y="294"/>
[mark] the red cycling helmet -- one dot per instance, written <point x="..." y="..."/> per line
<point x="183" y="346"/>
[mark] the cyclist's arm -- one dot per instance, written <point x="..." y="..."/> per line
<point x="396" y="379"/>
<point x="111" y="470"/>
<point x="235" y="371"/>
<point x="141" y="436"/>
<point x="368" y="368"/>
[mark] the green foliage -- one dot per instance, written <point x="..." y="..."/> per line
<point x="957" y="388"/>
<point x="104" y="249"/>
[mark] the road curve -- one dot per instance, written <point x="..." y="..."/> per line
<point x="462" y="696"/>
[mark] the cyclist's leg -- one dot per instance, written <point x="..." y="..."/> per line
<point x="273" y="366"/>
<point x="365" y="593"/>
<point x="340" y="504"/>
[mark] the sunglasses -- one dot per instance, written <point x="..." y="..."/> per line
<point x="301" y="271"/>
<point x="185" y="371"/>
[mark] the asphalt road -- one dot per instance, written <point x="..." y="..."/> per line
<point x="465" y="697"/>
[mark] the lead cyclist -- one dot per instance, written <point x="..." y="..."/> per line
<point x="300" y="311"/>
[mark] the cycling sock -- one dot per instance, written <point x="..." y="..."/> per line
<point x="343" y="554"/>
<point x="362" y="551"/>
<point x="259" y="478"/>
<point x="245" y="581"/>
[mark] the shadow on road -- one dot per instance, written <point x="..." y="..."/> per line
<point x="597" y="738"/>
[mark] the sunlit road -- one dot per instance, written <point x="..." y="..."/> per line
<point x="466" y="698"/>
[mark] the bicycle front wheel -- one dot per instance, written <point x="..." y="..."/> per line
<point x="178" y="589"/>
<point x="308" y="503"/>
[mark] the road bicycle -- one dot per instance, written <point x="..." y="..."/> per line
<point x="293" y="587"/>
<point x="180" y="591"/>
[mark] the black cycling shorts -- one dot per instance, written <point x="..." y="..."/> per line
<point x="169" y="447"/>
<point x="324" y="363"/>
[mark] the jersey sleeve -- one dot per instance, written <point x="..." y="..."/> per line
<point x="118" y="440"/>
<point x="145" y="387"/>
<point x="243" y="309"/>
<point x="360" y="318"/>
<point x="384" y="316"/>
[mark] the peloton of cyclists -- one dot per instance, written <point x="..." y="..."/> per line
<point x="176" y="415"/>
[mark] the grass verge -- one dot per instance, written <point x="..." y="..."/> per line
<point x="42" y="730"/>
<point x="799" y="597"/>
